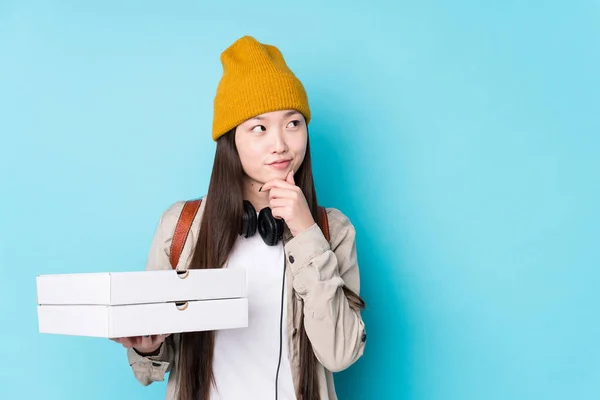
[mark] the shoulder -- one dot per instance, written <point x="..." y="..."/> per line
<point x="172" y="213"/>
<point x="336" y="215"/>
<point x="340" y="226"/>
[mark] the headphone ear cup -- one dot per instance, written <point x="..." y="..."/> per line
<point x="269" y="227"/>
<point x="248" y="220"/>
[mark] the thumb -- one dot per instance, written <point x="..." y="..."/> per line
<point x="290" y="178"/>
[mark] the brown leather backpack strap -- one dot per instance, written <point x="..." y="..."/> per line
<point x="324" y="222"/>
<point x="182" y="229"/>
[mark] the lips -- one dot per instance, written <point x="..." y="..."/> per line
<point x="279" y="161"/>
<point x="280" y="164"/>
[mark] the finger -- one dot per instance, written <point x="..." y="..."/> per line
<point x="278" y="193"/>
<point x="290" y="178"/>
<point x="280" y="203"/>
<point x="146" y="342"/>
<point x="270" y="185"/>
<point x="126" y="342"/>
<point x="280" y="212"/>
<point x="157" y="339"/>
<point x="279" y="184"/>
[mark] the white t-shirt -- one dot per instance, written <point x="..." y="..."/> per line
<point x="246" y="359"/>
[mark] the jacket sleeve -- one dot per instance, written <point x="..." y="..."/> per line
<point x="336" y="331"/>
<point x="153" y="368"/>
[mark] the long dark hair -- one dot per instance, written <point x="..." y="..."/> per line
<point x="219" y="229"/>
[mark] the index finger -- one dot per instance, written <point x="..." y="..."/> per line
<point x="277" y="183"/>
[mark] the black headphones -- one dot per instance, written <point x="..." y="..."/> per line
<point x="269" y="227"/>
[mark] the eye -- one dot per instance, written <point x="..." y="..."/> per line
<point x="295" y="123"/>
<point x="258" y="128"/>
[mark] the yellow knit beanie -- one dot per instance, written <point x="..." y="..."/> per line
<point x="256" y="80"/>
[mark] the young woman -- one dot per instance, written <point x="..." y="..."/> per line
<point x="303" y="289"/>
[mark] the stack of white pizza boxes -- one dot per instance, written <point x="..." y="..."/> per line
<point x="123" y="304"/>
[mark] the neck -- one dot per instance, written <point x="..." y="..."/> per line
<point x="258" y="199"/>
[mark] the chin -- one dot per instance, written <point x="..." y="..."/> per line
<point x="282" y="174"/>
<point x="269" y="174"/>
<point x="276" y="174"/>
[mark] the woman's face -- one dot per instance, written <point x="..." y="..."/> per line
<point x="271" y="144"/>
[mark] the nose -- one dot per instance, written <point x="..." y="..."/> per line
<point x="279" y="143"/>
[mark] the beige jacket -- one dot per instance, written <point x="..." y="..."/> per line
<point x="315" y="270"/>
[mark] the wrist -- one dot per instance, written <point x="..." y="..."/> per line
<point x="148" y="352"/>
<point x="303" y="228"/>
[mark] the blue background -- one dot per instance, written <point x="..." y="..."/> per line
<point x="462" y="139"/>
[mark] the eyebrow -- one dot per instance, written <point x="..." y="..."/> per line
<point x="286" y="115"/>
